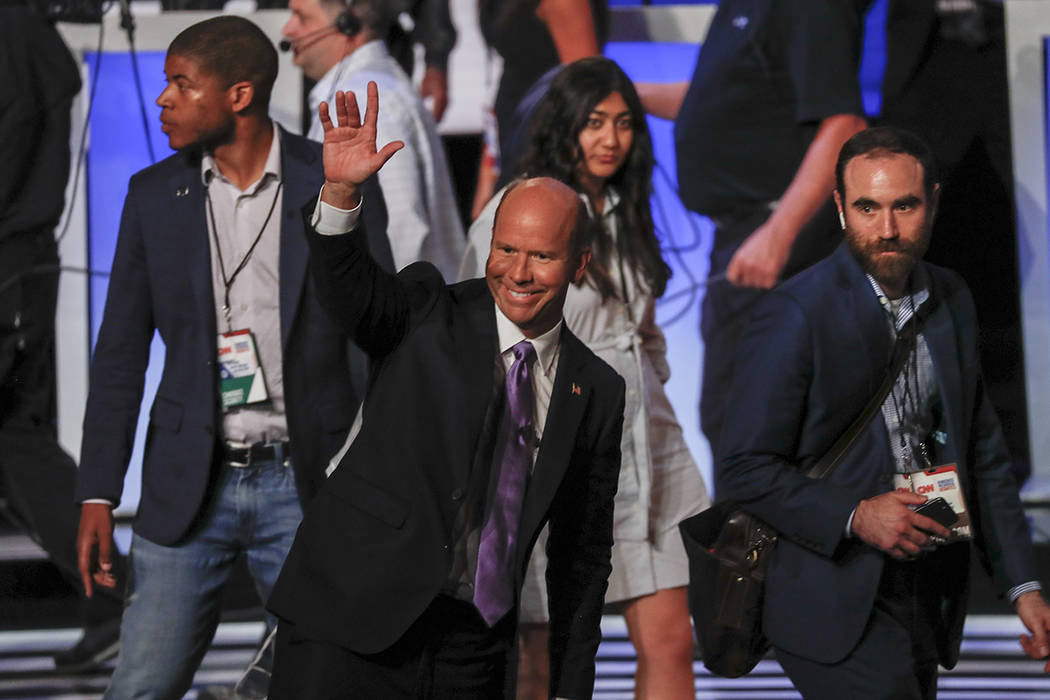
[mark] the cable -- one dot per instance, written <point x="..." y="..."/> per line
<point x="83" y="135"/>
<point x="678" y="251"/>
<point x="128" y="23"/>
<point x="48" y="269"/>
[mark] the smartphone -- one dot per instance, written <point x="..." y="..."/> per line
<point x="940" y="510"/>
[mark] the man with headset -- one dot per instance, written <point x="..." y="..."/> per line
<point x="341" y="47"/>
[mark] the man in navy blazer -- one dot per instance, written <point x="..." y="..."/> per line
<point x="859" y="602"/>
<point x="379" y="595"/>
<point x="210" y="241"/>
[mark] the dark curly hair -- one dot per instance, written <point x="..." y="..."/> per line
<point x="553" y="150"/>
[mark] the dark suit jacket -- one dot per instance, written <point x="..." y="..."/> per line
<point x="375" y="546"/>
<point x="161" y="280"/>
<point x="816" y="351"/>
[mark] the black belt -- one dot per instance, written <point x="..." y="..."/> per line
<point x="241" y="456"/>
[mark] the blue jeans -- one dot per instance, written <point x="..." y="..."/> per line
<point x="174" y="593"/>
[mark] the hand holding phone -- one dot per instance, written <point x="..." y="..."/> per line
<point x="940" y="510"/>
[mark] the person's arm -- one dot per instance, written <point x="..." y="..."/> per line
<point x="662" y="100"/>
<point x="488" y="173"/>
<point x="117" y="381"/>
<point x="369" y="304"/>
<point x="758" y="463"/>
<point x="437" y="34"/>
<point x="579" y="560"/>
<point x="653" y="342"/>
<point x="761" y="258"/>
<point x="571" y="26"/>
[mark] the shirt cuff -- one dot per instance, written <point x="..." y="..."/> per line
<point x="1016" y="592"/>
<point x="98" y="500"/>
<point x="849" y="524"/>
<point x="333" y="221"/>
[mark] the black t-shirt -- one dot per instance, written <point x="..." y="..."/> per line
<point x="767" y="74"/>
<point x="512" y="28"/>
<point x="40" y="79"/>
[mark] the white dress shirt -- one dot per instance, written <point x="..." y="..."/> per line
<point x="255" y="293"/>
<point x="422" y="218"/>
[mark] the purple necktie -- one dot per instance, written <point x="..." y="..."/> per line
<point x="498" y="546"/>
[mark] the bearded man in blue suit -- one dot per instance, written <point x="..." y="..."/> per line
<point x="860" y="603"/>
<point x="211" y="254"/>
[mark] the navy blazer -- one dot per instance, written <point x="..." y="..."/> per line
<point x="816" y="351"/>
<point x="375" y="547"/>
<point x="161" y="280"/>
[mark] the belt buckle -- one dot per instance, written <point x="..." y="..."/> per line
<point x="247" y="449"/>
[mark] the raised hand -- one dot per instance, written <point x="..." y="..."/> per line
<point x="350" y="155"/>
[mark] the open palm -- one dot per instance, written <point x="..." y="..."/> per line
<point x="350" y="155"/>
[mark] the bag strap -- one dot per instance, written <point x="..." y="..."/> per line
<point x="902" y="348"/>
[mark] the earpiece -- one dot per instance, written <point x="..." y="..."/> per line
<point x="842" y="220"/>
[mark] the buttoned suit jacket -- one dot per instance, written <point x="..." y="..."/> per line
<point x="817" y="349"/>
<point x="376" y="545"/>
<point x="161" y="280"/>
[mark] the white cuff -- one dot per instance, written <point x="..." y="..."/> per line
<point x="333" y="221"/>
<point x="97" y="500"/>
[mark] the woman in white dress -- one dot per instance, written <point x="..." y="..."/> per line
<point x="590" y="132"/>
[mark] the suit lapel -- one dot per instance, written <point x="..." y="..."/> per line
<point x="477" y="350"/>
<point x="569" y="399"/>
<point x="940" y="335"/>
<point x="186" y="212"/>
<point x="302" y="180"/>
<point x="869" y="327"/>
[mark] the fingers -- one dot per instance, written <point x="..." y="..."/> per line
<point x="84" y="545"/>
<point x="104" y="576"/>
<point x="388" y="150"/>
<point x="372" y="107"/>
<point x="909" y="497"/>
<point x="1033" y="648"/>
<point x="930" y="525"/>
<point x="349" y="115"/>
<point x="326" y="120"/>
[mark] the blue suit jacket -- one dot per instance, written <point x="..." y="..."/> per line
<point x="817" y="349"/>
<point x="161" y="280"/>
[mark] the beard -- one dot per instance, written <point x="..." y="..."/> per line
<point x="890" y="271"/>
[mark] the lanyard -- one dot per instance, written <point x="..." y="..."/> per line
<point x="907" y="407"/>
<point x="228" y="281"/>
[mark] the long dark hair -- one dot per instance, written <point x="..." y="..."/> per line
<point x="553" y="150"/>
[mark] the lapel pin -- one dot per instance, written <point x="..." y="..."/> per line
<point x="576" y="388"/>
<point x="182" y="191"/>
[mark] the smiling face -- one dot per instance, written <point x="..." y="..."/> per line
<point x="605" y="142"/>
<point x="196" y="109"/>
<point x="316" y="44"/>
<point x="887" y="216"/>
<point x="531" y="262"/>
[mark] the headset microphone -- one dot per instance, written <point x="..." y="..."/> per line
<point x="346" y="23"/>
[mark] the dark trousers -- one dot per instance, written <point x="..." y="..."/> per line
<point x="36" y="474"/>
<point x="449" y="653"/>
<point x="896" y="658"/>
<point x="726" y="308"/>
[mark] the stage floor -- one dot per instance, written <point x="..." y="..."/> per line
<point x="992" y="666"/>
